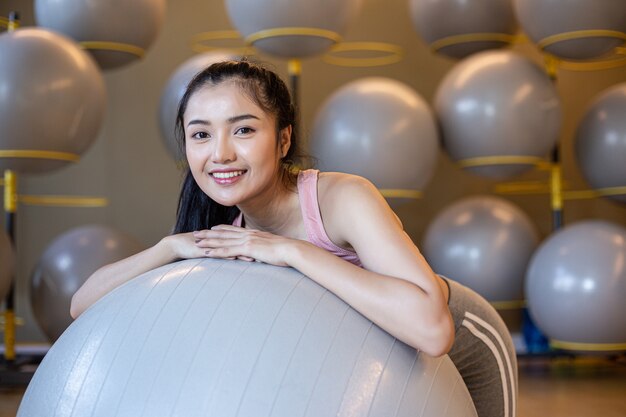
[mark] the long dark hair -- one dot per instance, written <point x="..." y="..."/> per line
<point x="196" y="210"/>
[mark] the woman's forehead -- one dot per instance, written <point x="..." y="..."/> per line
<point x="224" y="97"/>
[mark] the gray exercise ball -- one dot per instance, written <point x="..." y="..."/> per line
<point x="485" y="243"/>
<point x="136" y="23"/>
<point x="576" y="284"/>
<point x="52" y="99"/>
<point x="498" y="103"/>
<point x="207" y="337"/>
<point x="440" y="19"/>
<point x="380" y="129"/>
<point x="601" y="141"/>
<point x="251" y="17"/>
<point x="66" y="264"/>
<point x="7" y="264"/>
<point x="174" y="91"/>
<point x="543" y="18"/>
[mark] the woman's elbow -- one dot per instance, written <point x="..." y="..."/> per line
<point x="439" y="347"/>
<point x="439" y="339"/>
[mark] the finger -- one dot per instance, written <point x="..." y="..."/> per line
<point x="203" y="234"/>
<point x="228" y="227"/>
<point x="245" y="258"/>
<point x="223" y="253"/>
<point x="217" y="243"/>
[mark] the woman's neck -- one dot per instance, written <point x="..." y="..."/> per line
<point x="277" y="211"/>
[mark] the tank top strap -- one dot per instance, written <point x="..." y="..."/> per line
<point x="311" y="214"/>
<point x="238" y="220"/>
<point x="307" y="193"/>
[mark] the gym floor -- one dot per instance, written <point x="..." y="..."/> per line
<point x="557" y="387"/>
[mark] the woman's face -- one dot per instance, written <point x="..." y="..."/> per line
<point x="231" y="144"/>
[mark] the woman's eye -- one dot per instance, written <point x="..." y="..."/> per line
<point x="200" y="135"/>
<point x="244" y="131"/>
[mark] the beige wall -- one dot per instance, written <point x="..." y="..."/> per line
<point x="129" y="165"/>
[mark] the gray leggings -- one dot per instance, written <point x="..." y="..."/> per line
<point x="483" y="352"/>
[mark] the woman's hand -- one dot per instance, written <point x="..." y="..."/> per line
<point x="182" y="246"/>
<point x="232" y="242"/>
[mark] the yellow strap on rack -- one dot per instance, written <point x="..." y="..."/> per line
<point x="400" y="193"/>
<point x="198" y="42"/>
<point x="293" y="31"/>
<point x="62" y="201"/>
<point x="598" y="192"/>
<point x="35" y="154"/>
<point x="556" y="188"/>
<point x="580" y="34"/>
<point x="114" y="46"/>
<point x="501" y="160"/>
<point x="393" y="53"/>
<point x="9" y="335"/>
<point x="593" y="347"/>
<point x="294" y="67"/>
<point x="10" y="191"/>
<point x="472" y="37"/>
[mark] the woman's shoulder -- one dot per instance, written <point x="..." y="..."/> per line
<point x="337" y="184"/>
<point x="351" y="198"/>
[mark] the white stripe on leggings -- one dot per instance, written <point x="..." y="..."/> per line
<point x="487" y="341"/>
<point x="505" y="352"/>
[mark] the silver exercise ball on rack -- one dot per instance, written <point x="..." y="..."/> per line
<point x="66" y="264"/>
<point x="174" y="91"/>
<point x="498" y="104"/>
<point x="380" y="129"/>
<point x="116" y="32"/>
<point x="601" y="141"/>
<point x="576" y="284"/>
<point x="52" y="102"/>
<point x="485" y="243"/>
<point x="309" y="28"/>
<point x="436" y="21"/>
<point x="547" y="20"/>
<point x="206" y="337"/>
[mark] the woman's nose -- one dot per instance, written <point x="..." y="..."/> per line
<point x="223" y="151"/>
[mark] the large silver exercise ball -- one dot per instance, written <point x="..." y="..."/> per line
<point x="498" y="103"/>
<point x="485" y="243"/>
<point x="66" y="264"/>
<point x="380" y="129"/>
<point x="541" y="19"/>
<point x="220" y="338"/>
<point x="52" y="99"/>
<point x="312" y="25"/>
<point x="130" y="24"/>
<point x="601" y="141"/>
<point x="7" y="264"/>
<point x="441" y="19"/>
<point x="576" y="284"/>
<point x="174" y="91"/>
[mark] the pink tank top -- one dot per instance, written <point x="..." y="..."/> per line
<point x="312" y="217"/>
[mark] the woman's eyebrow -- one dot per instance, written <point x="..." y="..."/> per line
<point x="198" y="122"/>
<point x="230" y="120"/>
<point x="236" y="119"/>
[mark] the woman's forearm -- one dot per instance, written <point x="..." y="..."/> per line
<point x="113" y="275"/>
<point x="414" y="315"/>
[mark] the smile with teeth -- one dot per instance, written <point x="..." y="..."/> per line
<point x="225" y="175"/>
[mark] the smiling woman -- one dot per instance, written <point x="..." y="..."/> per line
<point x="243" y="198"/>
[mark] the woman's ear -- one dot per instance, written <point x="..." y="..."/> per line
<point x="285" y="140"/>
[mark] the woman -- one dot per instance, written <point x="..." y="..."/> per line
<point x="242" y="199"/>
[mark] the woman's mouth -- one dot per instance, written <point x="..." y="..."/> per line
<point x="227" y="177"/>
